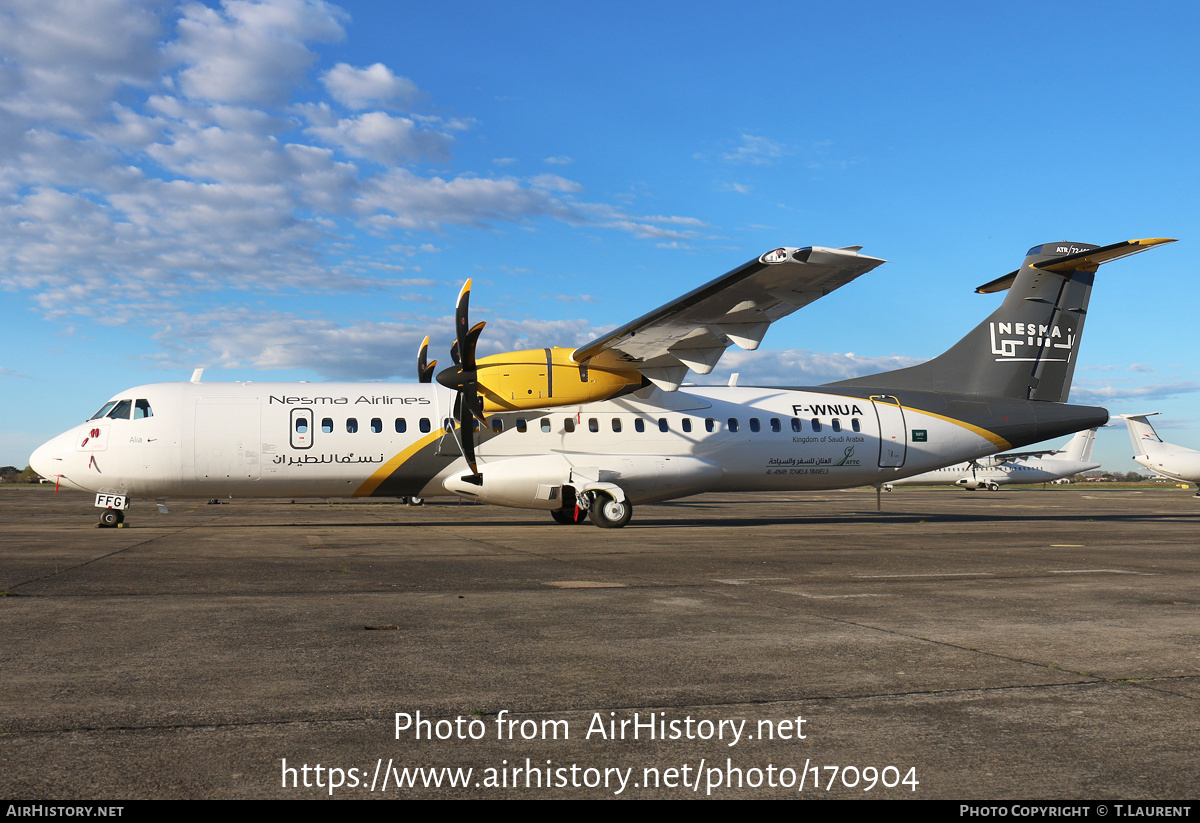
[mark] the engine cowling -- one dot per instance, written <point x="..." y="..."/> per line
<point x="538" y="378"/>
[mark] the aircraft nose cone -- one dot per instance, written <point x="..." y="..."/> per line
<point x="47" y="459"/>
<point x="40" y="461"/>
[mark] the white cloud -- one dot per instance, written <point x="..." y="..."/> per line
<point x="374" y="85"/>
<point x="401" y="199"/>
<point x="65" y="60"/>
<point x="758" y="151"/>
<point x="154" y="155"/>
<point x="1099" y="395"/>
<point x="386" y="139"/>
<point x="251" y="53"/>
<point x="799" y="367"/>
<point x="554" y="183"/>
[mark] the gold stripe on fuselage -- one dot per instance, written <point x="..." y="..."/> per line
<point x="389" y="468"/>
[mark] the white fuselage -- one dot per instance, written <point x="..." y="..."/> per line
<point x="342" y="439"/>
<point x="1174" y="462"/>
<point x="1167" y="459"/>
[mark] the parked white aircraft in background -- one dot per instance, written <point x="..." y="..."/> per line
<point x="1168" y="460"/>
<point x="593" y="431"/>
<point x="1013" y="467"/>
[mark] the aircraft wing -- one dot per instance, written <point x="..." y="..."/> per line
<point x="1009" y="456"/>
<point x="693" y="331"/>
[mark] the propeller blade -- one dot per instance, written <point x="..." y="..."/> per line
<point x="424" y="369"/>
<point x="468" y="406"/>
<point x="461" y="323"/>
<point x="466" y="432"/>
<point x="468" y="363"/>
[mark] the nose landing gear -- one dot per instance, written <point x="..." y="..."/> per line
<point x="111" y="518"/>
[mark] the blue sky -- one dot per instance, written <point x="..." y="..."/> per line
<point x="295" y="190"/>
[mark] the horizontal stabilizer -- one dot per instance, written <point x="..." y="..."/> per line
<point x="1085" y="260"/>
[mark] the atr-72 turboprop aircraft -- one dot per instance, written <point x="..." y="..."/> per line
<point x="596" y="430"/>
<point x="1044" y="466"/>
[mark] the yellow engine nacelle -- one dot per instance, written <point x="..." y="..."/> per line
<point x="538" y="378"/>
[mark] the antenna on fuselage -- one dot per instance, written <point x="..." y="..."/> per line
<point x="196" y="375"/>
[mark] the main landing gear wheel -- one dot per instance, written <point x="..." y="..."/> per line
<point x="607" y="513"/>
<point x="111" y="518"/>
<point x="416" y="501"/>
<point x="569" y="516"/>
<point x="992" y="487"/>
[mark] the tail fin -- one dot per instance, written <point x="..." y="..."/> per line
<point x="1028" y="347"/>
<point x="1145" y="440"/>
<point x="1079" y="447"/>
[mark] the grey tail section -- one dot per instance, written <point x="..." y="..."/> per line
<point x="1027" y="348"/>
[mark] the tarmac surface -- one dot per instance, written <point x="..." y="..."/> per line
<point x="1012" y="645"/>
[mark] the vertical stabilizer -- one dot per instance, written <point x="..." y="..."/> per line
<point x="1026" y="349"/>
<point x="1142" y="435"/>
<point x="1079" y="448"/>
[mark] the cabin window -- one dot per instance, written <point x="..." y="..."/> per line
<point x="351" y="425"/>
<point x="776" y="426"/>
<point x="327" y="425"/>
<point x="569" y="424"/>
<point x="639" y="425"/>
<point x="795" y="424"/>
<point x="301" y="425"/>
<point x="522" y="425"/>
<point x="141" y="409"/>
<point x="816" y="424"/>
<point x="855" y="425"/>
<point x="616" y="424"/>
<point x="662" y="424"/>
<point x="497" y="425"/>
<point x="710" y="424"/>
<point x="687" y="424"/>
<point x="546" y="425"/>
<point x="593" y="424"/>
<point x="376" y="425"/>
<point x="754" y="424"/>
<point x="401" y="425"/>
<point x="837" y="425"/>
<point x="425" y="425"/>
<point x="733" y="424"/>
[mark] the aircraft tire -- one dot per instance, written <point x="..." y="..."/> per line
<point x="992" y="487"/>
<point x="111" y="518"/>
<point x="416" y="501"/>
<point x="569" y="517"/>
<point x="607" y="513"/>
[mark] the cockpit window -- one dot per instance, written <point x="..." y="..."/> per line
<point x="121" y="410"/>
<point x="141" y="408"/>
<point x="104" y="410"/>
